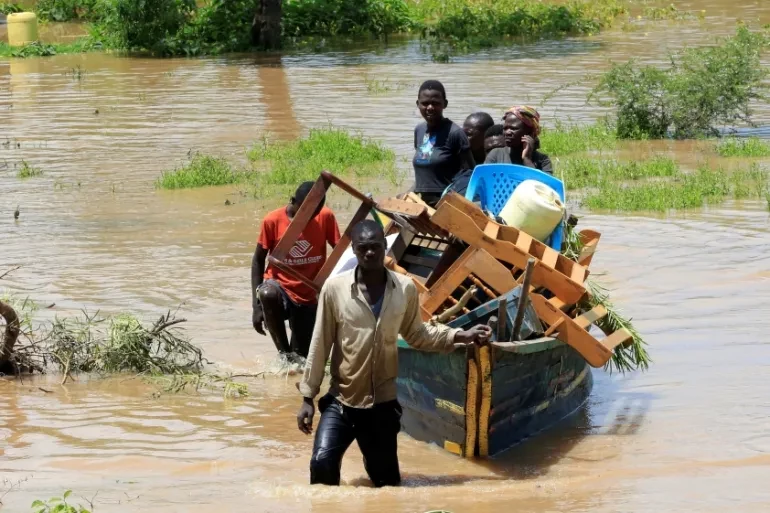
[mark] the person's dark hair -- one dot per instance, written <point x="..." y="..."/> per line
<point x="482" y="119"/>
<point x="494" y="131"/>
<point x="302" y="191"/>
<point x="432" y="85"/>
<point x="367" y="227"/>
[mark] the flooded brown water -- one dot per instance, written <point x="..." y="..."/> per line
<point x="692" y="434"/>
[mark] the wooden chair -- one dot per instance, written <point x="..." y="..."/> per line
<point x="302" y="218"/>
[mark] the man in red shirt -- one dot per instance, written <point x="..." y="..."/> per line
<point x="276" y="295"/>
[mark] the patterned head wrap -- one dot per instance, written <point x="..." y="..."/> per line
<point x="527" y="115"/>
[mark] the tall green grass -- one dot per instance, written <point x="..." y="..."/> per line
<point x="564" y="139"/>
<point x="684" y="191"/>
<point x="579" y="173"/>
<point x="751" y="147"/>
<point x="330" y="149"/>
<point x="200" y="171"/>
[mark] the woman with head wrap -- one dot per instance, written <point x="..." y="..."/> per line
<point x="521" y="126"/>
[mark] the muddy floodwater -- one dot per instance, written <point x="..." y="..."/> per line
<point x="692" y="434"/>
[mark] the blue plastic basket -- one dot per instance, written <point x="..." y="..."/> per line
<point x="493" y="184"/>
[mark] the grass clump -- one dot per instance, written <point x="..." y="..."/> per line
<point x="751" y="147"/>
<point x="27" y="170"/>
<point x="38" y="49"/>
<point x="701" y="89"/>
<point x="565" y="139"/>
<point x="684" y="191"/>
<point x="579" y="173"/>
<point x="328" y="149"/>
<point x="200" y="171"/>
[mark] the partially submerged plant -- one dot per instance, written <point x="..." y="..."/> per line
<point x="200" y="171"/>
<point x="628" y="357"/>
<point x="58" y="505"/>
<point x="749" y="147"/>
<point x="27" y="170"/>
<point x="564" y="139"/>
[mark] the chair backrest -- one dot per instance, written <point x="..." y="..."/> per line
<point x="493" y="184"/>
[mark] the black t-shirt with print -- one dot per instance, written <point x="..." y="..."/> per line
<point x="437" y="155"/>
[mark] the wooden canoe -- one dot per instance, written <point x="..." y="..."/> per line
<point x="486" y="403"/>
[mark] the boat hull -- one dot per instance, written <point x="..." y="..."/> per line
<point x="482" y="405"/>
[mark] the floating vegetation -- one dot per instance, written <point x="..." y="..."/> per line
<point x="750" y="147"/>
<point x="375" y="86"/>
<point x="27" y="170"/>
<point x="628" y="357"/>
<point x="670" y="12"/>
<point x="564" y="139"/>
<point x="703" y="88"/>
<point x="330" y="149"/>
<point x="683" y="191"/>
<point x="200" y="171"/>
<point x="582" y="172"/>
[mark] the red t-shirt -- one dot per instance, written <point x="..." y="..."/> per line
<point x="308" y="254"/>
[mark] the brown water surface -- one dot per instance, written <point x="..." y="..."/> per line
<point x="693" y="434"/>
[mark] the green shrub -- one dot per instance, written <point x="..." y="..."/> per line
<point x="148" y="25"/>
<point x="57" y="505"/>
<point x="10" y="8"/>
<point x="303" y="18"/>
<point x="751" y="147"/>
<point x="37" y="49"/>
<point x="201" y="171"/>
<point x="330" y="149"/>
<point x="701" y="89"/>
<point x="67" y="10"/>
<point x="456" y="26"/>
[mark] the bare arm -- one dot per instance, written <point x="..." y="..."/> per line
<point x="257" y="272"/>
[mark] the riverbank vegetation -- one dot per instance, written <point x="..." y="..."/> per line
<point x="750" y="147"/>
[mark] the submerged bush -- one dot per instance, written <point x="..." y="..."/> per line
<point x="751" y="147"/>
<point x="330" y="149"/>
<point x="701" y="89"/>
<point x="10" y="8"/>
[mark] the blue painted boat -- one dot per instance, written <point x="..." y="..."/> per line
<point x="518" y="390"/>
<point x="484" y="401"/>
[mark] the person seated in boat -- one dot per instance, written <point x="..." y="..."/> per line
<point x="521" y="126"/>
<point x="360" y="316"/>
<point x="277" y="295"/>
<point x="493" y="138"/>
<point x="441" y="148"/>
<point x="475" y="127"/>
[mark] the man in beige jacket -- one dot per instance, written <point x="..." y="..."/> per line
<point x="360" y="316"/>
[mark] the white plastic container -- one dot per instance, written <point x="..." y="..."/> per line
<point x="533" y="208"/>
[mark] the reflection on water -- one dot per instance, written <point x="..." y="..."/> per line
<point x="94" y="232"/>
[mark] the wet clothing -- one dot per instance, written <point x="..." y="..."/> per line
<point x="301" y="320"/>
<point x="375" y="429"/>
<point x="438" y="156"/>
<point x="364" y="351"/>
<point x="308" y="254"/>
<point x="503" y="156"/>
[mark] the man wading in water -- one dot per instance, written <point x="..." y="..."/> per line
<point x="276" y="295"/>
<point x="360" y="315"/>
